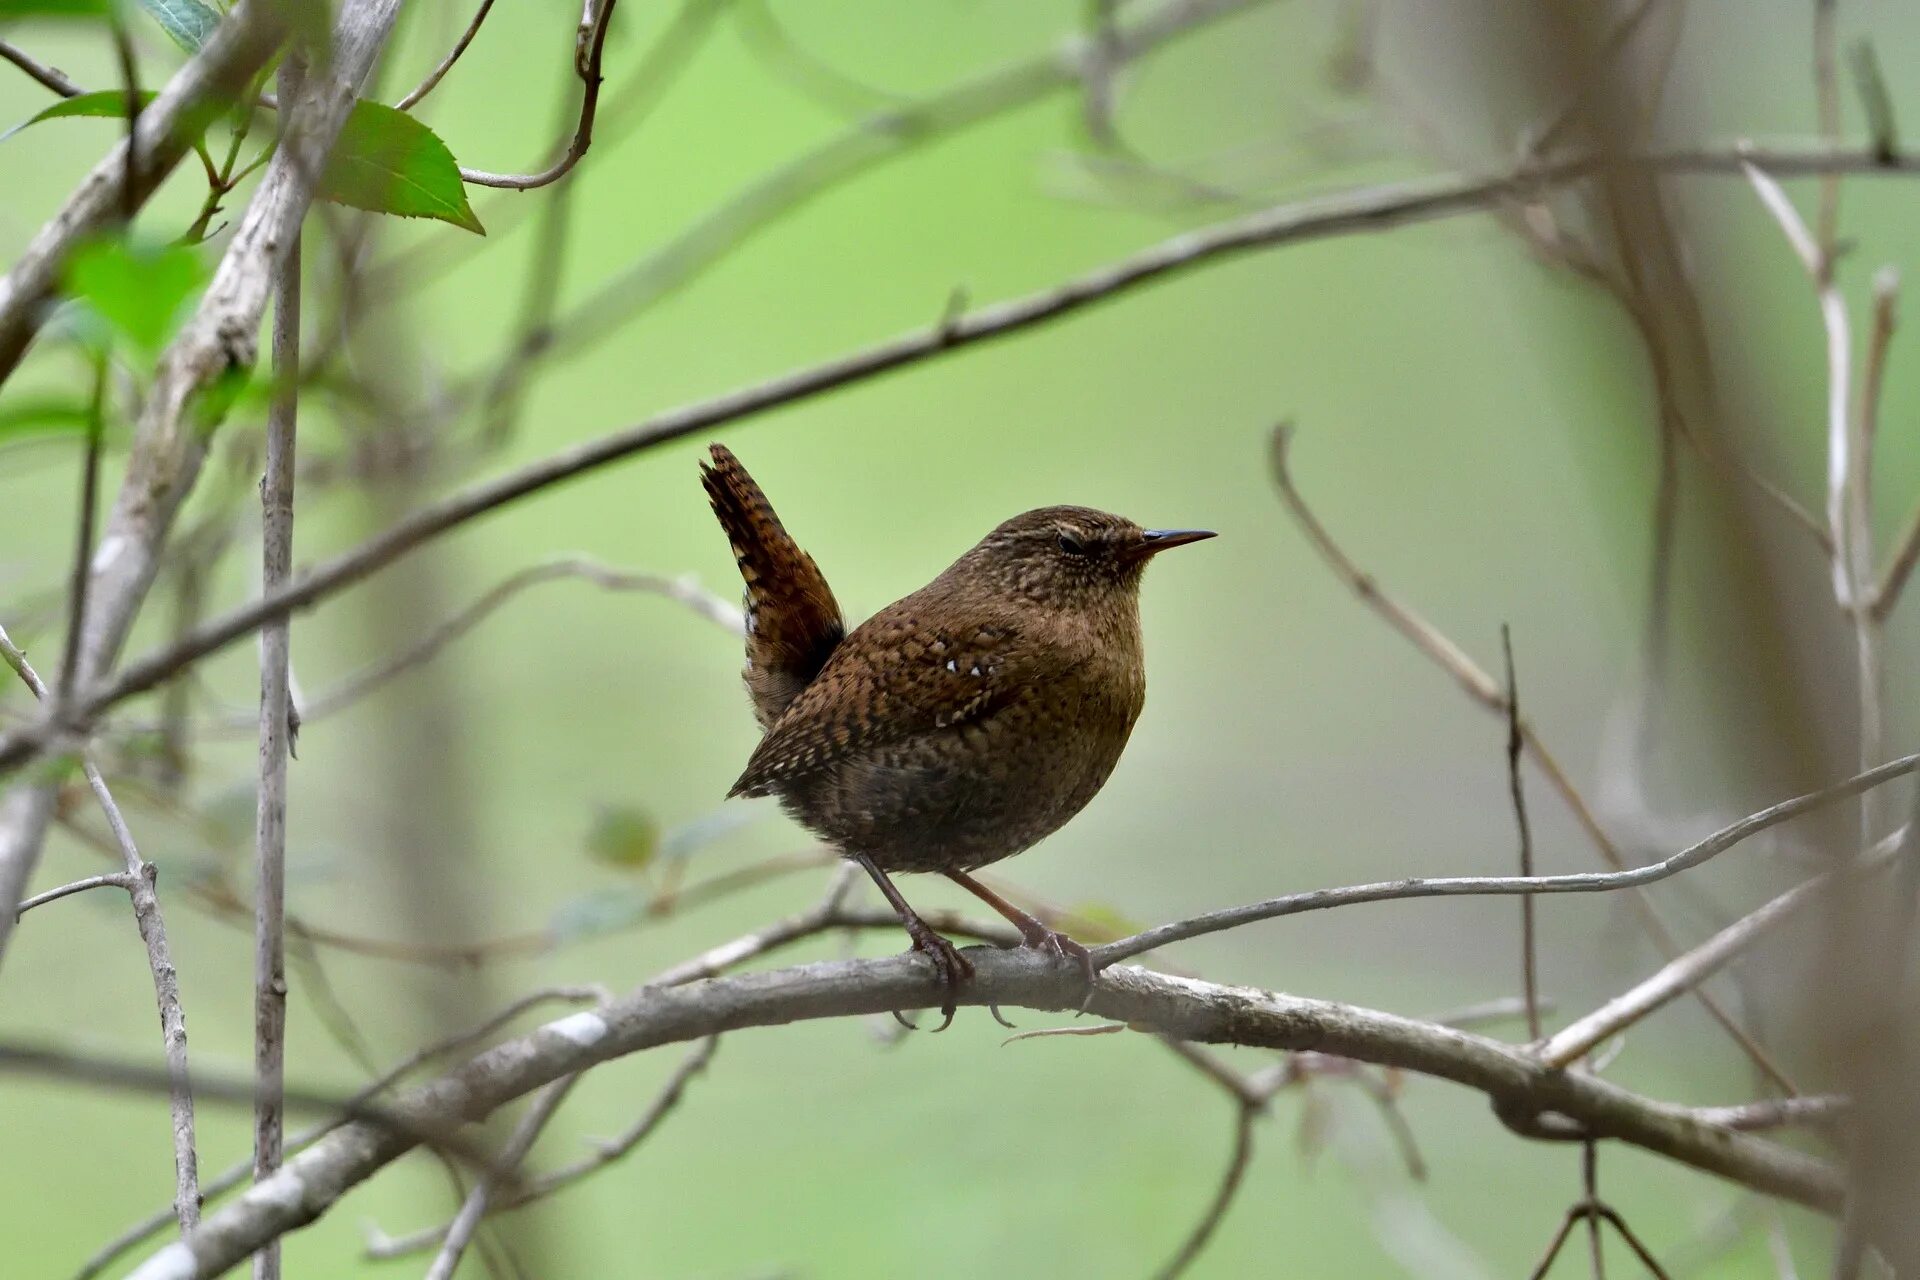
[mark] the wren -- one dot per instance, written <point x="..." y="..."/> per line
<point x="958" y="726"/>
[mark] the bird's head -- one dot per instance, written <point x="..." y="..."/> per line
<point x="1069" y="557"/>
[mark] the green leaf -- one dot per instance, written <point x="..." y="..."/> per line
<point x="104" y="103"/>
<point x="52" y="9"/>
<point x="139" y="290"/>
<point x="187" y="22"/>
<point x="388" y="162"/>
<point x="42" y="415"/>
<point x="624" y="837"/>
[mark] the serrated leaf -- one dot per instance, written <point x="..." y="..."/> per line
<point x="624" y="837"/>
<point x="139" y="290"/>
<point x="30" y="415"/>
<point x="187" y="22"/>
<point x="388" y="162"/>
<point x="104" y="103"/>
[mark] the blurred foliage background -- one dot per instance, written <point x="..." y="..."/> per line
<point x="1475" y="426"/>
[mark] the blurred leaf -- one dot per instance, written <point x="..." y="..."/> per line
<point x="388" y="162"/>
<point x="106" y="103"/>
<point x="30" y="414"/>
<point x="596" y="914"/>
<point x="53" y="8"/>
<point x="1316" y="1123"/>
<point x="187" y="22"/>
<point x="625" y="837"/>
<point x="690" y="838"/>
<point x="139" y="290"/>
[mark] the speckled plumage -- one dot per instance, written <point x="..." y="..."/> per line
<point x="957" y="726"/>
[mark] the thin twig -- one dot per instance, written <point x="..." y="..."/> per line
<point x="1590" y="1181"/>
<point x="460" y="1231"/>
<point x="682" y="590"/>
<point x="380" y="1246"/>
<point x="40" y="71"/>
<point x="238" y="1174"/>
<point x="589" y="42"/>
<point x="1516" y="789"/>
<point x="276" y="725"/>
<point x="113" y="880"/>
<point x="434" y="77"/>
<point x="1449" y="886"/>
<point x="137" y="876"/>
<point x="1482" y="688"/>
<point x="83" y="535"/>
<point x="1687" y="972"/>
<point x="1238" y="1158"/>
<point x="1826" y="82"/>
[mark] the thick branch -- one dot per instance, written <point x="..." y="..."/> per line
<point x="309" y="1184"/>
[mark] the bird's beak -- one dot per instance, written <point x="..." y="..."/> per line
<point x="1154" y="541"/>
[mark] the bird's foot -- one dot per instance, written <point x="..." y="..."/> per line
<point x="949" y="966"/>
<point x="1051" y="942"/>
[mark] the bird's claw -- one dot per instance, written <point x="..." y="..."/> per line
<point x="949" y="966"/>
<point x="1053" y="943"/>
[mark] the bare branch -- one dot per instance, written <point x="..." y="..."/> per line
<point x="1516" y="789"/>
<point x="238" y="1174"/>
<point x="308" y="1184"/>
<point x="380" y="1247"/>
<point x="589" y="41"/>
<point x="137" y="877"/>
<point x="1452" y="886"/>
<point x="51" y="77"/>
<point x="1696" y="966"/>
<point x="1777" y="1113"/>
<point x="460" y="1231"/>
<point x="682" y="590"/>
<point x="1481" y="687"/>
<point x="275" y="718"/>
<point x="114" y="880"/>
<point x="434" y="77"/>
<point x="1238" y="1157"/>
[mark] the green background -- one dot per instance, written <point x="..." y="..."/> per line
<point x="1476" y="429"/>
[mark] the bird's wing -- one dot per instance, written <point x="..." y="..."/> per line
<point x="894" y="678"/>
<point x="793" y="621"/>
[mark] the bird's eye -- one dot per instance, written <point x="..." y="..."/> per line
<point x="1072" y="545"/>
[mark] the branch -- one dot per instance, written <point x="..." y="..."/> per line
<point x="1372" y="209"/>
<point x="1238" y="1157"/>
<point x="434" y="77"/>
<point x="1696" y="966"/>
<point x="589" y="42"/>
<point x="381" y="1247"/>
<point x="1454" y="886"/>
<point x="276" y="711"/>
<point x="237" y="1174"/>
<point x="308" y="1185"/>
<point x="682" y="590"/>
<point x="137" y="877"/>
<point x="1481" y="687"/>
<point x="213" y="77"/>
<point x="112" y="880"/>
<point x="40" y="71"/>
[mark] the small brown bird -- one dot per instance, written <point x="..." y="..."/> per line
<point x="958" y="726"/>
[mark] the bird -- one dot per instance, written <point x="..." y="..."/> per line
<point x="958" y="726"/>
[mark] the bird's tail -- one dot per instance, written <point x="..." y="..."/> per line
<point x="793" y="621"/>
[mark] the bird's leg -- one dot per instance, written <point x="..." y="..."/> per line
<point x="1033" y="934"/>
<point x="949" y="965"/>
